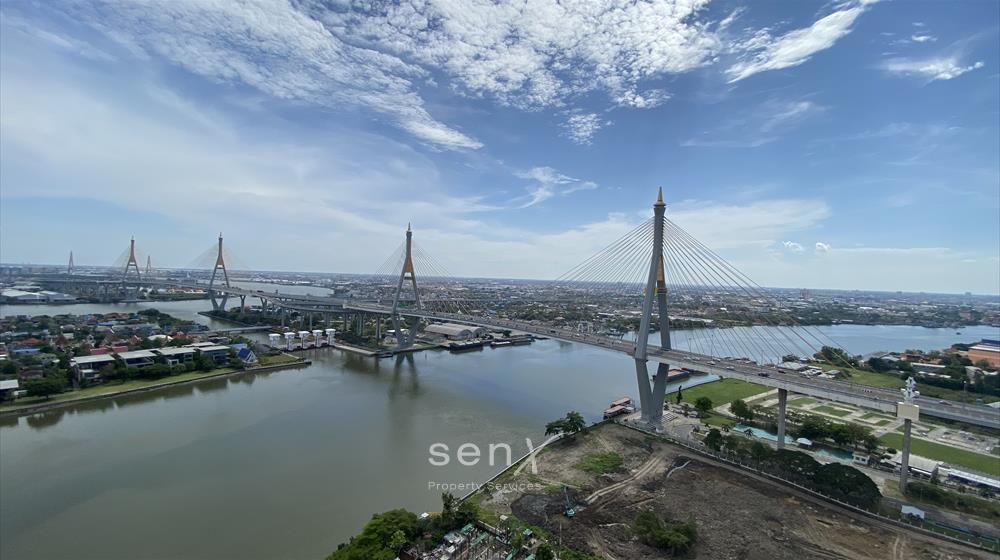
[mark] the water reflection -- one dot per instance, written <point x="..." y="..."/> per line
<point x="405" y="377"/>
<point x="45" y="419"/>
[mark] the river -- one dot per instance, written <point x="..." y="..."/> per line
<point x="290" y="463"/>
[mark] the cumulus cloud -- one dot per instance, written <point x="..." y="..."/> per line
<point x="937" y="68"/>
<point x="765" y="52"/>
<point x="278" y="50"/>
<point x="793" y="246"/>
<point x="538" y="54"/>
<point x="822" y="248"/>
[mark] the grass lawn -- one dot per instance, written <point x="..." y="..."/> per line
<point x="931" y="450"/>
<point x="720" y="392"/>
<point x="874" y="379"/>
<point x="282" y="358"/>
<point x="110" y="388"/>
<point x="801" y="401"/>
<point x="600" y="463"/>
<point x="838" y="412"/>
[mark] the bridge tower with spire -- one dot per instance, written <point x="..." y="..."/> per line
<point x="70" y="266"/>
<point x="651" y="398"/>
<point x="405" y="340"/>
<point x="132" y="263"/>
<point x="220" y="264"/>
<point x="149" y="266"/>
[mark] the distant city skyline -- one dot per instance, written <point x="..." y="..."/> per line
<point x="853" y="145"/>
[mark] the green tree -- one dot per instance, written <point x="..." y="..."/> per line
<point x="714" y="439"/>
<point x="847" y="484"/>
<point x="795" y="465"/>
<point x="877" y="364"/>
<point x="373" y="543"/>
<point x="703" y="405"/>
<point x="572" y="423"/>
<point x="45" y="387"/>
<point x="760" y="453"/>
<point x="679" y="395"/>
<point x="9" y="368"/>
<point x="814" y="427"/>
<point x="740" y="409"/>
<point x="398" y="540"/>
<point x="544" y="552"/>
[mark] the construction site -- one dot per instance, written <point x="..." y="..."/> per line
<point x="737" y="514"/>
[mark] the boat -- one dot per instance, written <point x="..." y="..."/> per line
<point x="496" y="343"/>
<point x="465" y="346"/>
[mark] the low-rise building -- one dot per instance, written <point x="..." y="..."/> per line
<point x="454" y="331"/>
<point x="174" y="356"/>
<point x="138" y="358"/>
<point x="985" y="351"/>
<point x="7" y="389"/>
<point x="87" y="368"/>
<point x="215" y="352"/>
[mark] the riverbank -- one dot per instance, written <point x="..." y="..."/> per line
<point x="103" y="392"/>
<point x="651" y="474"/>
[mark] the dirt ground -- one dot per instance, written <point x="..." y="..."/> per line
<point x="738" y="517"/>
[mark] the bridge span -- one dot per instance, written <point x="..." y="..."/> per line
<point x="874" y="398"/>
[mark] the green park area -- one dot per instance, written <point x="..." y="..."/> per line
<point x="801" y="401"/>
<point x="110" y="389"/>
<point x="831" y="410"/>
<point x="719" y="392"/>
<point x="951" y="455"/>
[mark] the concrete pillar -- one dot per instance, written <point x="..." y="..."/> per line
<point x="904" y="468"/>
<point x="645" y="395"/>
<point x="659" y="392"/>
<point x="310" y="321"/>
<point x="782" y="401"/>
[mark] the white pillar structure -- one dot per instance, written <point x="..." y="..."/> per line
<point x="909" y="413"/>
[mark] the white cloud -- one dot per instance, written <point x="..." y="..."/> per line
<point x="549" y="183"/>
<point x="822" y="248"/>
<point x="795" y="47"/>
<point x="538" y="54"/>
<point x="760" y="224"/>
<point x="278" y="50"/>
<point x="582" y="127"/>
<point x="793" y="246"/>
<point x="938" y="68"/>
<point x="761" y="126"/>
<point x="918" y="38"/>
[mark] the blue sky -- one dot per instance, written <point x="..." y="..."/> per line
<point x="825" y="145"/>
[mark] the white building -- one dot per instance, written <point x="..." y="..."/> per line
<point x="453" y="331"/>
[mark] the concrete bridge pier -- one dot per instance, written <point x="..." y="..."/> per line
<point x="904" y="466"/>
<point x="645" y="393"/>
<point x="651" y="398"/>
<point x="782" y="402"/>
<point x="659" y="392"/>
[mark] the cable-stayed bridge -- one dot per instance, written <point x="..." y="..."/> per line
<point x="652" y="270"/>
